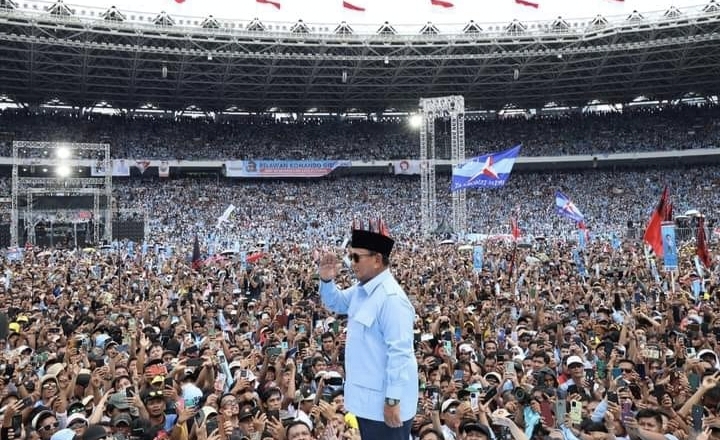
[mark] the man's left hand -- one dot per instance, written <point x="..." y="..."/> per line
<point x="392" y="416"/>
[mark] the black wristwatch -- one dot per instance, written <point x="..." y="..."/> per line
<point x="391" y="402"/>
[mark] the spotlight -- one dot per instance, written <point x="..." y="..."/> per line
<point x="62" y="153"/>
<point x="415" y="121"/>
<point x="62" y="171"/>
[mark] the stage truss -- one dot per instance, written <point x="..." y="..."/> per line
<point x="431" y="109"/>
<point x="28" y="154"/>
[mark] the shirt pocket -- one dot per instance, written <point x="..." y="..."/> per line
<point x="368" y="371"/>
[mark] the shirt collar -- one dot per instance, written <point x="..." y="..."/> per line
<point x="370" y="285"/>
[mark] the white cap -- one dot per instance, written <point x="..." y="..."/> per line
<point x="448" y="403"/>
<point x="574" y="360"/>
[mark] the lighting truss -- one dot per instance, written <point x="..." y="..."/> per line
<point x="431" y="109"/>
<point x="29" y="187"/>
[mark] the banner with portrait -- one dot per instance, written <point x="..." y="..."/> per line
<point x="670" y="251"/>
<point x="407" y="167"/>
<point x="164" y="169"/>
<point x="282" y="168"/>
<point x="478" y="253"/>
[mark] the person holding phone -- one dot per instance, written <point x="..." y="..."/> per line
<point x="381" y="384"/>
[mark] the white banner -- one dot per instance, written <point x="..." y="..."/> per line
<point x="120" y="168"/>
<point x="407" y="167"/>
<point x="164" y="169"/>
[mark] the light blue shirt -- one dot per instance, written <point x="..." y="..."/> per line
<point x="379" y="355"/>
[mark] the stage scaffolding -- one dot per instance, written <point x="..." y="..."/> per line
<point x="452" y="107"/>
<point x="29" y="154"/>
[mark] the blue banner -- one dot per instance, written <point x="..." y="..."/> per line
<point x="581" y="239"/>
<point x="670" y="252"/>
<point x="488" y="171"/>
<point x="243" y="259"/>
<point x="579" y="263"/>
<point x="566" y="208"/>
<point x="282" y="168"/>
<point x="478" y="258"/>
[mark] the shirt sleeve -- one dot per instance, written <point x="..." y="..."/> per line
<point x="396" y="326"/>
<point x="333" y="298"/>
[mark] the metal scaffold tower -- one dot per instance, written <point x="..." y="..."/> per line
<point x="61" y="159"/>
<point x="431" y="109"/>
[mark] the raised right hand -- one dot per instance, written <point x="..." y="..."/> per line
<point x="328" y="269"/>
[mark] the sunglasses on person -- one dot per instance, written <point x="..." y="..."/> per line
<point x="355" y="257"/>
<point x="50" y="427"/>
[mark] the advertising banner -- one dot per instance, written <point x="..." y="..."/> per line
<point x="282" y="168"/>
<point x="120" y="168"/>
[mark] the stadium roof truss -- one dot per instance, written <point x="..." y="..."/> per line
<point x="254" y="67"/>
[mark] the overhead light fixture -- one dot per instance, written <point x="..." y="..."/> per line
<point x="62" y="153"/>
<point x="62" y="171"/>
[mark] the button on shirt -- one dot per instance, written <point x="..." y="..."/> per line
<point x="379" y="355"/>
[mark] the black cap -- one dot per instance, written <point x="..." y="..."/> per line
<point x="372" y="241"/>
<point x="246" y="413"/>
<point x="94" y="432"/>
<point x="473" y="426"/>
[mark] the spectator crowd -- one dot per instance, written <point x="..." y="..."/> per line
<point x="255" y="137"/>
<point x="139" y="343"/>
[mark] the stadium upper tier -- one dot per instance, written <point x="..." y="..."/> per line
<point x="83" y="59"/>
<point x="672" y="128"/>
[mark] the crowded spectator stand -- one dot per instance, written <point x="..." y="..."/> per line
<point x="228" y="339"/>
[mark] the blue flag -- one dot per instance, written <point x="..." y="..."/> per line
<point x="478" y="258"/>
<point x="488" y="171"/>
<point x="566" y="208"/>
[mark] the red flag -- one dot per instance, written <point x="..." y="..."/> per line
<point x="442" y="3"/>
<point x="703" y="252"/>
<point x="270" y="2"/>
<point x="653" y="235"/>
<point x="252" y="258"/>
<point x="352" y="7"/>
<point x="514" y="229"/>
<point x="527" y="3"/>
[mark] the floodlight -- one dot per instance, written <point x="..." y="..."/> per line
<point x="63" y="153"/>
<point x="63" y="171"/>
<point x="415" y="121"/>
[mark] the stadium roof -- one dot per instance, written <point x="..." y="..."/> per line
<point x="81" y="61"/>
